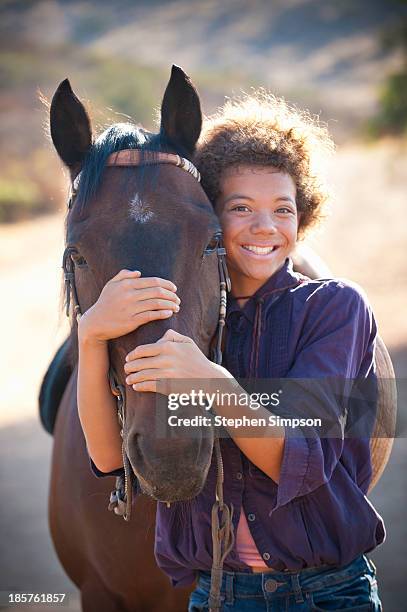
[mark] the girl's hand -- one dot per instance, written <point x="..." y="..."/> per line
<point x="128" y="301"/>
<point x="173" y="356"/>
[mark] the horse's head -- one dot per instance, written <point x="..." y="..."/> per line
<point x="156" y="219"/>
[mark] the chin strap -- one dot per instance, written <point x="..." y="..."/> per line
<point x="121" y="498"/>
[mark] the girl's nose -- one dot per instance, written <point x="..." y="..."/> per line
<point x="264" y="223"/>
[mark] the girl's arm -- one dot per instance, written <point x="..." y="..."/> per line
<point x="174" y="357"/>
<point x="126" y="302"/>
<point x="266" y="452"/>
<point x="97" y="405"/>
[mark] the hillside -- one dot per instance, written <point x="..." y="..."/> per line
<point x="325" y="56"/>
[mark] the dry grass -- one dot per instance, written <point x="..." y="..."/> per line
<point x="365" y="238"/>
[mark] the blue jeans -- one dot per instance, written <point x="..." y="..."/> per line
<point x="351" y="587"/>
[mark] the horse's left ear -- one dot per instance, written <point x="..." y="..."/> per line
<point x="181" y="116"/>
<point x="71" y="130"/>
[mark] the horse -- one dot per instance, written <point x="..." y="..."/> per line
<point x="156" y="218"/>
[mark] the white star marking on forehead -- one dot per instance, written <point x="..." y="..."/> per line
<point x="140" y="211"/>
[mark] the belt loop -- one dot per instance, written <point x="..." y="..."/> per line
<point x="229" y="588"/>
<point x="295" y="581"/>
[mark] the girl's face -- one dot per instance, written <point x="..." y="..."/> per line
<point x="258" y="214"/>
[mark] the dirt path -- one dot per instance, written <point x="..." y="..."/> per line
<point x="30" y="255"/>
<point x="30" y="564"/>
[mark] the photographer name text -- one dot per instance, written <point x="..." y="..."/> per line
<point x="238" y="422"/>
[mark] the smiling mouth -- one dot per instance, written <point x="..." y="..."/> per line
<point x="259" y="250"/>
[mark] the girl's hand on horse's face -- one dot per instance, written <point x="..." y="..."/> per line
<point x="173" y="356"/>
<point x="128" y="301"/>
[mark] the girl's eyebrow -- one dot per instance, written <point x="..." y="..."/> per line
<point x="241" y="196"/>
<point x="286" y="199"/>
<point x="237" y="196"/>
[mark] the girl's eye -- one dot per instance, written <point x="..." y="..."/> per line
<point x="284" y="210"/>
<point x="240" y="208"/>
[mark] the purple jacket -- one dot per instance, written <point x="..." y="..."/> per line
<point x="294" y="328"/>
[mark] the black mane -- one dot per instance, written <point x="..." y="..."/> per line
<point x="115" y="138"/>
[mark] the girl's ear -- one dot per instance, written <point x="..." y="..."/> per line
<point x="299" y="228"/>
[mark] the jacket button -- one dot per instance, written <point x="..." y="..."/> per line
<point x="239" y="475"/>
<point x="251" y="517"/>
<point x="266" y="556"/>
<point x="270" y="585"/>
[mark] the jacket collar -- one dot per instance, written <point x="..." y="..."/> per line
<point x="284" y="278"/>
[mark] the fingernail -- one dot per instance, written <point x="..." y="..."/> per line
<point x="167" y="313"/>
<point x="128" y="381"/>
<point x="176" y="308"/>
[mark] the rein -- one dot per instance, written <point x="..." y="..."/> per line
<point x="121" y="498"/>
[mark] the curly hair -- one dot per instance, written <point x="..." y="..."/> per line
<point x="262" y="130"/>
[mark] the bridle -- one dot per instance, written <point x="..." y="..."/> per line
<point x="121" y="498"/>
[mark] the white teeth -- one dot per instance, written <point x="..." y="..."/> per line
<point x="258" y="250"/>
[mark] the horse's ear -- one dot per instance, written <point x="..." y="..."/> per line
<point x="181" y="116"/>
<point x="71" y="130"/>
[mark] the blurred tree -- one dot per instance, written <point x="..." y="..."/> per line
<point x="392" y="116"/>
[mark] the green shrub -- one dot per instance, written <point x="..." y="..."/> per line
<point x="392" y="116"/>
<point x="394" y="102"/>
<point x="19" y="200"/>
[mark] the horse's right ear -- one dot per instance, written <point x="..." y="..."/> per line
<point x="71" y="130"/>
<point x="181" y="117"/>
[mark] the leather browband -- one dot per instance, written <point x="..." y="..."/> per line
<point x="135" y="157"/>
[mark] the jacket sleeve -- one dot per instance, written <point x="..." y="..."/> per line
<point x="336" y="347"/>
<point x="100" y="474"/>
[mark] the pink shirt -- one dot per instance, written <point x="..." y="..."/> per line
<point x="245" y="546"/>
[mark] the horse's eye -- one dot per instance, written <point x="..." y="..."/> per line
<point x="212" y="244"/>
<point x="79" y="260"/>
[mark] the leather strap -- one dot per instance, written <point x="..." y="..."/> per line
<point x="137" y="157"/>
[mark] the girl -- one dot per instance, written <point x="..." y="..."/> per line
<point x="302" y="521"/>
